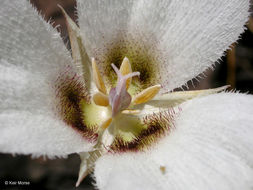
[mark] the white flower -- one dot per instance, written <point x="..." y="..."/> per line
<point x="54" y="105"/>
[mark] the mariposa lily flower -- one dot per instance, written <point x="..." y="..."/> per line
<point x="112" y="101"/>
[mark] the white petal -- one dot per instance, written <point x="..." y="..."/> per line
<point x="28" y="124"/>
<point x="183" y="38"/>
<point x="23" y="132"/>
<point x="32" y="57"/>
<point x="191" y="35"/>
<point x="28" y="41"/>
<point x="210" y="148"/>
<point x="102" y="21"/>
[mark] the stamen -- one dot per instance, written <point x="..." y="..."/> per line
<point x="106" y="124"/>
<point x="97" y="77"/>
<point x="125" y="69"/>
<point x="146" y="94"/>
<point x="101" y="99"/>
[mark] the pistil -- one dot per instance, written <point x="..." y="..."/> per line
<point x="119" y="98"/>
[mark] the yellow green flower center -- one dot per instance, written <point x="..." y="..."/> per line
<point x="120" y="103"/>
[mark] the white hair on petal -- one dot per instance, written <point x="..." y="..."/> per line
<point x="190" y="36"/>
<point x="210" y="148"/>
<point x="32" y="55"/>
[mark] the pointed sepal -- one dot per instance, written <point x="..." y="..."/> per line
<point x="79" y="54"/>
<point x="176" y="98"/>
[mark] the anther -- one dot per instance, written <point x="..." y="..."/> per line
<point x="106" y="123"/>
<point x="125" y="69"/>
<point x="146" y="94"/>
<point x="100" y="99"/>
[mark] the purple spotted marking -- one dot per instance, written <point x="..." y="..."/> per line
<point x="119" y="98"/>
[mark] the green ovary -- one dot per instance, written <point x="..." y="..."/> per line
<point x="94" y="114"/>
<point x="128" y="127"/>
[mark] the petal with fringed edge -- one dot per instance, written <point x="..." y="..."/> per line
<point x="210" y="148"/>
<point x="168" y="42"/>
<point x="37" y="77"/>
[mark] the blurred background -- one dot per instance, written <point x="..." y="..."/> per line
<point x="235" y="69"/>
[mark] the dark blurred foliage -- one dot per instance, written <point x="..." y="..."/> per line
<point x="57" y="174"/>
<point x="50" y="10"/>
<point x="235" y="69"/>
<point x="244" y="63"/>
